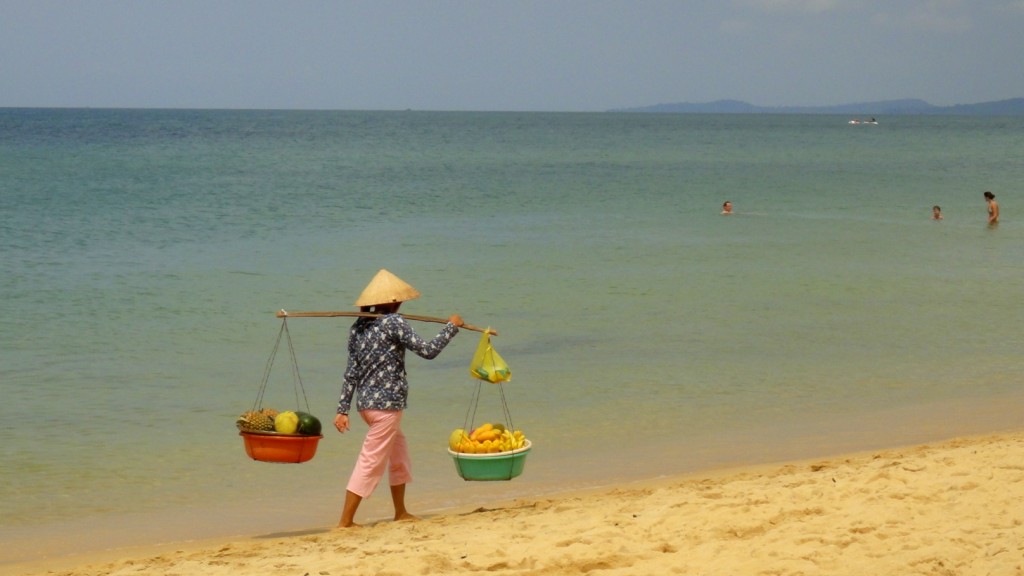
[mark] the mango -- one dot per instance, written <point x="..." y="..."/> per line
<point x="286" y="422"/>
<point x="455" y="440"/>
<point x="475" y="434"/>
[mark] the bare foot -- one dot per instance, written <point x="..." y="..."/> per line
<point x="349" y="525"/>
<point x="406" y="517"/>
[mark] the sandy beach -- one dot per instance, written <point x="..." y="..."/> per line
<point x="951" y="507"/>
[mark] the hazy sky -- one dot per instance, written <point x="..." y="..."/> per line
<point x="505" y="54"/>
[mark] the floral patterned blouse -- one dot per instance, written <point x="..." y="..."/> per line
<point x="376" y="361"/>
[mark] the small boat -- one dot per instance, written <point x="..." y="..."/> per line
<point x="857" y="122"/>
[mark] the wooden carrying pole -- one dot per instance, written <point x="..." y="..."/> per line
<point x="284" y="314"/>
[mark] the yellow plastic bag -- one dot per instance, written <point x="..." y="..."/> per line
<point x="487" y="364"/>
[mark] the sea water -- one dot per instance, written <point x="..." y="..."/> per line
<point x="145" y="253"/>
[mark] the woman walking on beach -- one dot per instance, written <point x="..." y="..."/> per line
<point x="376" y="375"/>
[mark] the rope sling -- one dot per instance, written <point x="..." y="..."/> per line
<point x="296" y="377"/>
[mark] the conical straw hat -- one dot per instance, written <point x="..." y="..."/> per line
<point x="386" y="288"/>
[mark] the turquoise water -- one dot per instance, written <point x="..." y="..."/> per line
<point x="145" y="253"/>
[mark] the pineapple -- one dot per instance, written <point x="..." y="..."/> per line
<point x="254" y="421"/>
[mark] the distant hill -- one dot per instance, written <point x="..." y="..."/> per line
<point x="1011" y="107"/>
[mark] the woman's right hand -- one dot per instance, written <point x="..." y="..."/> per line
<point x="341" y="422"/>
<point x="457" y="320"/>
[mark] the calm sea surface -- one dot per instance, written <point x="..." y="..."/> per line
<point x="145" y="252"/>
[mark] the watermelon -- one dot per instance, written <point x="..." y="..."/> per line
<point x="308" y="424"/>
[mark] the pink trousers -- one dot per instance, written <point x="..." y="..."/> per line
<point x="384" y="448"/>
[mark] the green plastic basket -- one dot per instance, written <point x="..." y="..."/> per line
<point x="485" y="467"/>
